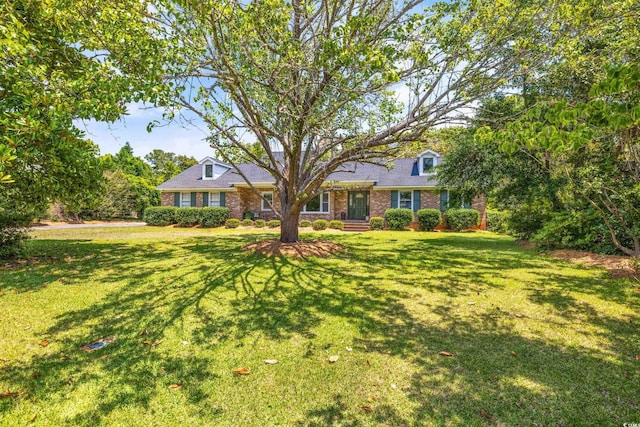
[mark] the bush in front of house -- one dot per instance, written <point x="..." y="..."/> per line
<point x="187" y="217"/>
<point x="336" y="224"/>
<point x="247" y="222"/>
<point x="398" y="218"/>
<point x="259" y="223"/>
<point x="376" y="223"/>
<point x="274" y="223"/>
<point x="305" y="223"/>
<point x="232" y="223"/>
<point x="160" y="215"/>
<point x="462" y="219"/>
<point x="320" y="224"/>
<point x="498" y="222"/>
<point x="213" y="217"/>
<point x="429" y="218"/>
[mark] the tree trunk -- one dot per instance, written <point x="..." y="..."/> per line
<point x="289" y="226"/>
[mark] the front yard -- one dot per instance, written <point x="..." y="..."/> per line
<point x="430" y="329"/>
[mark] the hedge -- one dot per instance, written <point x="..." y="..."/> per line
<point x="462" y="219"/>
<point x="336" y="224"/>
<point x="497" y="222"/>
<point x="429" y="218"/>
<point x="398" y="218"/>
<point x="13" y="233"/>
<point x="232" y="223"/>
<point x="247" y="222"/>
<point x="213" y="217"/>
<point x="160" y="215"/>
<point x="305" y="223"/>
<point x="188" y="217"/>
<point x="274" y="223"/>
<point x="259" y="223"/>
<point x="376" y="223"/>
<point x="320" y="224"/>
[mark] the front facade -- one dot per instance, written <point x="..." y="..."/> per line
<point x="356" y="192"/>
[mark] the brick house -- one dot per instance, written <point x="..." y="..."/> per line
<point x="356" y="192"/>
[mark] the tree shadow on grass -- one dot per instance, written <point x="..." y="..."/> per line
<point x="498" y="367"/>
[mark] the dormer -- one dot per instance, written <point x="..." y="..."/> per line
<point x="427" y="161"/>
<point x="212" y="168"/>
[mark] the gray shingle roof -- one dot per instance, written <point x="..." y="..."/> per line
<point x="402" y="173"/>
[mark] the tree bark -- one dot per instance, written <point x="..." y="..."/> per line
<point x="289" y="226"/>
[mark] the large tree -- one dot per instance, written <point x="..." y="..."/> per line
<point x="332" y="82"/>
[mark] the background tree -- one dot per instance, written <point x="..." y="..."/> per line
<point x="317" y="80"/>
<point x="166" y="165"/>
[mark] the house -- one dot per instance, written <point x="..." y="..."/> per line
<point x="357" y="191"/>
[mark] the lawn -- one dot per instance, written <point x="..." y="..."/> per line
<point x="531" y="340"/>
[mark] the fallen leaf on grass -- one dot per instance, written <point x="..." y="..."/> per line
<point x="334" y="359"/>
<point x="637" y="356"/>
<point x="486" y="415"/>
<point x="514" y="354"/>
<point x="6" y="394"/>
<point x="33" y="417"/>
<point x="144" y="332"/>
<point x="349" y="349"/>
<point x="270" y="361"/>
<point x="367" y="409"/>
<point x="44" y="343"/>
<point x="64" y="357"/>
<point x="152" y="344"/>
<point x="241" y="371"/>
<point x="446" y="353"/>
<point x="368" y="363"/>
<point x="175" y="386"/>
<point x="70" y="381"/>
<point x="371" y="399"/>
<point x="519" y="405"/>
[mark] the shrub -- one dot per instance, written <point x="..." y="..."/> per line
<point x="305" y="223"/>
<point x="429" y="218"/>
<point x="336" y="224"/>
<point x="247" y="222"/>
<point x="187" y="217"/>
<point x="462" y="219"/>
<point x="232" y="223"/>
<point x="259" y="223"/>
<point x="213" y="217"/>
<point x="160" y="215"/>
<point x="398" y="218"/>
<point x="13" y="233"/>
<point x="274" y="223"/>
<point x="320" y="224"/>
<point x="247" y="215"/>
<point x="376" y="223"/>
<point x="497" y="222"/>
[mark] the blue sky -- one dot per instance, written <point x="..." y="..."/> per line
<point x="175" y="137"/>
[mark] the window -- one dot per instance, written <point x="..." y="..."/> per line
<point x="319" y="204"/>
<point x="185" y="200"/>
<point x="405" y="199"/>
<point x="427" y="164"/>
<point x="268" y="196"/>
<point x="214" y="200"/>
<point x="208" y="171"/>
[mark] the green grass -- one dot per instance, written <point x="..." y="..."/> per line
<point x="535" y="341"/>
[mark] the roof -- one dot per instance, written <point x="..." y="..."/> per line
<point x="401" y="173"/>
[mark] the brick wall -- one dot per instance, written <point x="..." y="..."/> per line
<point x="232" y="201"/>
<point x="429" y="199"/>
<point x="338" y="203"/>
<point x="166" y="198"/>
<point x="250" y="201"/>
<point x="379" y="201"/>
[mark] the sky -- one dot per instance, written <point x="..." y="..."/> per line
<point x="175" y="137"/>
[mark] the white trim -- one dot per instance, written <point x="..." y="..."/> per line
<point x="262" y="201"/>
<point x="431" y="152"/>
<point x="197" y="190"/>
<point x="182" y="193"/>
<point x="254" y="184"/>
<point x="401" y="188"/>
<point x="328" y="193"/>
<point x="211" y="198"/>
<point x="204" y="170"/>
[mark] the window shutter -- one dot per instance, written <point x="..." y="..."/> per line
<point x="176" y="200"/>
<point x="394" y="199"/>
<point x="416" y="200"/>
<point x="444" y="195"/>
<point x="222" y="200"/>
<point x="193" y="199"/>
<point x="205" y="199"/>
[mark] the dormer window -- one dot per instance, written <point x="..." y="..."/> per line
<point x="427" y="162"/>
<point x="212" y="168"/>
<point x="208" y="171"/>
<point x="427" y="165"/>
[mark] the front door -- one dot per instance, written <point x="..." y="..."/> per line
<point x="358" y="206"/>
